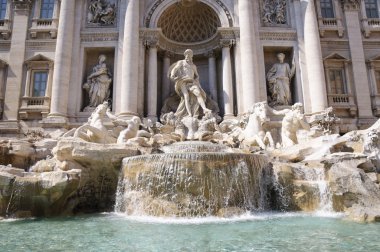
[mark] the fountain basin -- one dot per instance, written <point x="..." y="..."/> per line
<point x="192" y="184"/>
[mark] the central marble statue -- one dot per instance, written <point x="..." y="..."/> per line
<point x="185" y="75"/>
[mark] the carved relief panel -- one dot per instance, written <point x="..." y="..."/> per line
<point x="274" y="12"/>
<point x="101" y="13"/>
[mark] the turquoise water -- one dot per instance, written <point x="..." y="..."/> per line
<point x="266" y="232"/>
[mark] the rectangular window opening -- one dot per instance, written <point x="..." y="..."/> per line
<point x="327" y="9"/>
<point x="39" y="83"/>
<point x="47" y="8"/>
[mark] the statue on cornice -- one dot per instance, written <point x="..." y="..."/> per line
<point x="101" y="12"/>
<point x="98" y="83"/>
<point x="279" y="77"/>
<point x="185" y="75"/>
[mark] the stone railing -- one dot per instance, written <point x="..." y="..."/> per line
<point x="44" y="26"/>
<point x="34" y="105"/>
<point x="330" y="24"/>
<point x="343" y="101"/>
<point x="370" y="25"/>
<point x="5" y="28"/>
<point x="44" y="22"/>
<point x="35" y="101"/>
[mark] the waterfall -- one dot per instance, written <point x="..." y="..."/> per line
<point x="192" y="184"/>
<point x="325" y="200"/>
<point x="300" y="187"/>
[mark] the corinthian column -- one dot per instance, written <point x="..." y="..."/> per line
<point x="212" y="75"/>
<point x="130" y="66"/>
<point x="228" y="92"/>
<point x="62" y="66"/>
<point x="165" y="79"/>
<point x="249" y="46"/>
<point x="313" y="55"/>
<point x="152" y="80"/>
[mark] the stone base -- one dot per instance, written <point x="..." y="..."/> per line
<point x="9" y="127"/>
<point x="54" y="122"/>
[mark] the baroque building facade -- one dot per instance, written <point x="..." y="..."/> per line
<point x="60" y="58"/>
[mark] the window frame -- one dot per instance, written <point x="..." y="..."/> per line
<point x="33" y="82"/>
<point x="323" y="9"/>
<point x="3" y="9"/>
<point x="371" y="9"/>
<point x="49" y="10"/>
<point x="341" y="70"/>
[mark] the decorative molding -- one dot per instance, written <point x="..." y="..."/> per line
<point x="351" y="5"/>
<point x="267" y="35"/>
<point x="22" y="4"/>
<point x="151" y="37"/>
<point x="227" y="33"/>
<point x="99" y="36"/>
<point x="226" y="43"/>
<point x="34" y="45"/>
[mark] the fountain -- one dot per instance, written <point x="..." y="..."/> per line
<point x="192" y="180"/>
<point x="192" y="164"/>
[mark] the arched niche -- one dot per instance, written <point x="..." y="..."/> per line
<point x="158" y="7"/>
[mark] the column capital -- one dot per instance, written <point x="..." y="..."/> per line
<point x="370" y="64"/>
<point x="22" y="4"/>
<point x="210" y="54"/>
<point x="151" y="43"/>
<point x="351" y="5"/>
<point x="226" y="43"/>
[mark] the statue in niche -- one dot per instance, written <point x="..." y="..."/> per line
<point x="274" y="12"/>
<point x="98" y="83"/>
<point x="279" y="77"/>
<point x="101" y="12"/>
<point x="185" y="75"/>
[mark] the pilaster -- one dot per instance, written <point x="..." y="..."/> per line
<point x="351" y="11"/>
<point x="17" y="56"/>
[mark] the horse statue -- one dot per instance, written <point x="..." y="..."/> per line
<point x="94" y="130"/>
<point x="254" y="133"/>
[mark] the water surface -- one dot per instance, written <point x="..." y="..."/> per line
<point x="264" y="232"/>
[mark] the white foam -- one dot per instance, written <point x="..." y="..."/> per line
<point x="218" y="220"/>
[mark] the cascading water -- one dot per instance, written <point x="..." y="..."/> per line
<point x="300" y="187"/>
<point x="192" y="184"/>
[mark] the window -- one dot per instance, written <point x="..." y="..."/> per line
<point x="47" y="7"/>
<point x="337" y="81"/>
<point x="377" y="75"/>
<point x="327" y="10"/>
<point x="39" y="83"/>
<point x="371" y="8"/>
<point x="3" y="9"/>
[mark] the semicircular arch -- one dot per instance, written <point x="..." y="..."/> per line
<point x="155" y="11"/>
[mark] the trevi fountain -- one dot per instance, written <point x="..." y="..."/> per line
<point x="192" y="181"/>
<point x="189" y="125"/>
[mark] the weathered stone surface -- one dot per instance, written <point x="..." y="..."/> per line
<point x="31" y="194"/>
<point x="352" y="189"/>
<point x="314" y="149"/>
<point x="295" y="186"/>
